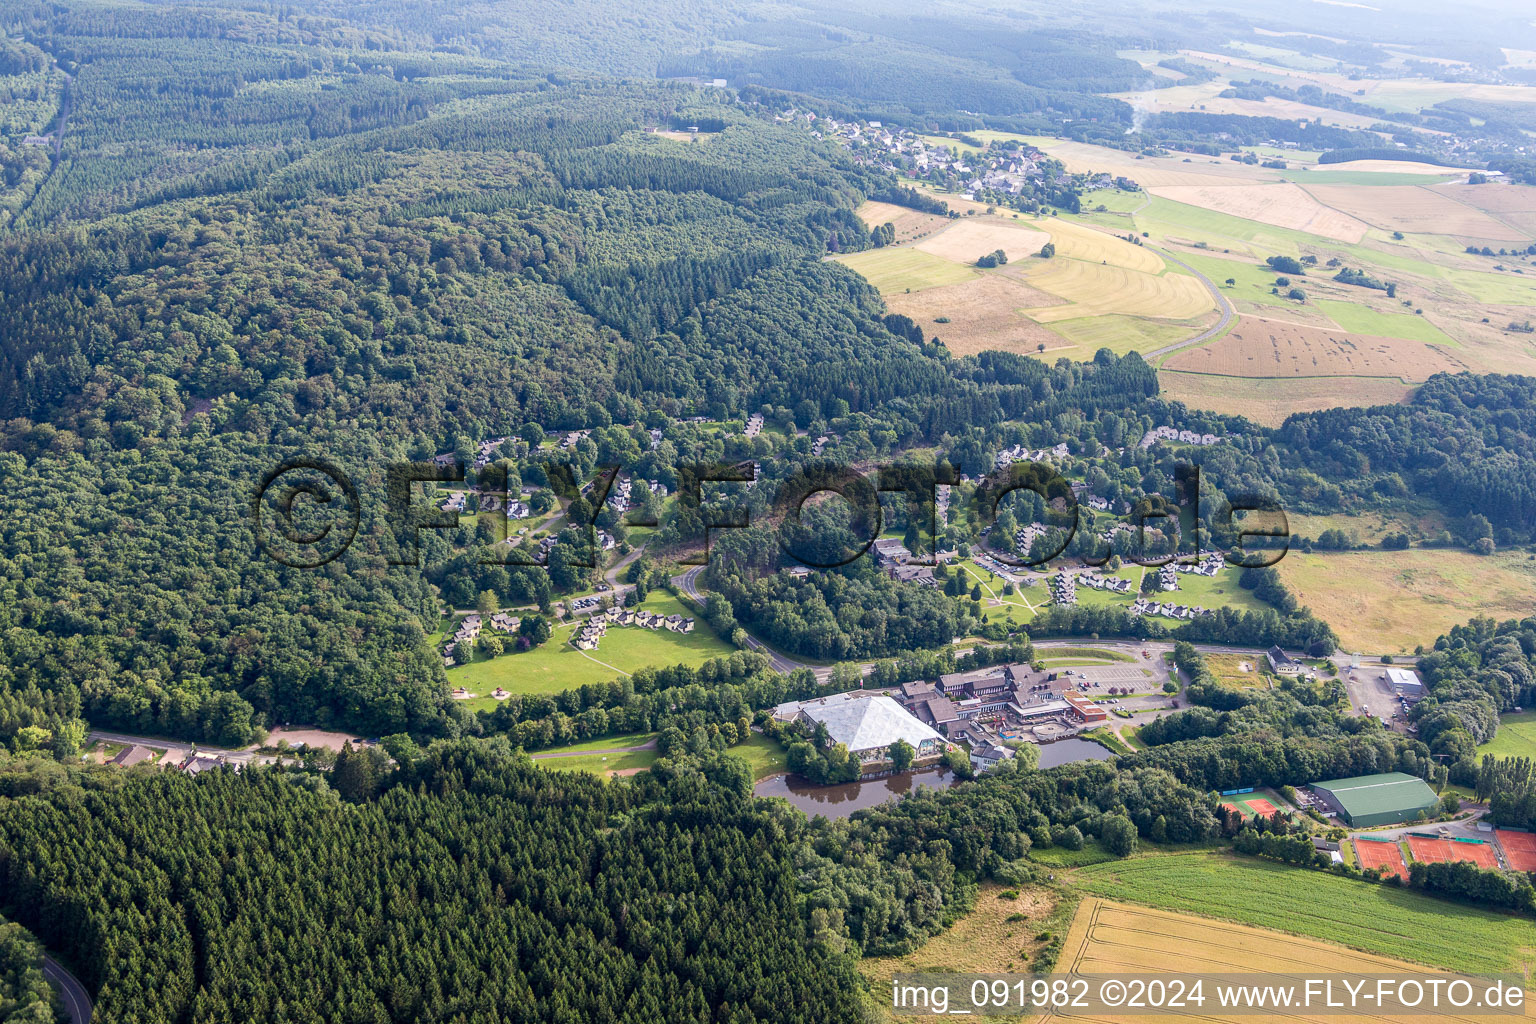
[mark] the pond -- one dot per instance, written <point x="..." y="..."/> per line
<point x="1073" y="749"/>
<point x="842" y="800"/>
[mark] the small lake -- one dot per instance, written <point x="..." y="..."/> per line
<point x="842" y="800"/>
<point x="1073" y="749"/>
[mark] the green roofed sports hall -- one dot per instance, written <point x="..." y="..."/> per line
<point x="1366" y="801"/>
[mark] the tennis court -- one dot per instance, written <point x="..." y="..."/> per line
<point x="1519" y="849"/>
<point x="1383" y="856"/>
<point x="1262" y="806"/>
<point x="1435" y="851"/>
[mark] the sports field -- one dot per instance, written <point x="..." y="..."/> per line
<point x="1519" y="848"/>
<point x="1441" y="851"/>
<point x="1383" y="856"/>
<point x="1250" y="804"/>
<point x="1378" y="919"/>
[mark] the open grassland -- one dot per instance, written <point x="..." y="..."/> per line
<point x="1092" y="289"/>
<point x="968" y="239"/>
<point x="1375" y="919"/>
<point x="1280" y="204"/>
<point x="1229" y="668"/>
<point x="1361" y="319"/>
<point x="1269" y="401"/>
<point x="1516" y="738"/>
<point x="1120" y="334"/>
<point x="1082" y="158"/>
<point x="1206" y="97"/>
<point x="557" y="665"/>
<point x="984" y="941"/>
<point x="1263" y="347"/>
<point x="1390" y="601"/>
<point x="1324" y="174"/>
<point x="909" y="225"/>
<point x="898" y="269"/>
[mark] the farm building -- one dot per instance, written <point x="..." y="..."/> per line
<point x="1369" y="800"/>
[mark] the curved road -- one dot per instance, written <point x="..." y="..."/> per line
<point x="77" y="1001"/>
<point x="1227" y="312"/>
<point x="688" y="583"/>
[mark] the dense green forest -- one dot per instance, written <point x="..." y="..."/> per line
<point x="25" y="997"/>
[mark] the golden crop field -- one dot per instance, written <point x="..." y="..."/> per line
<point x="1414" y="208"/>
<point x="1514" y="205"/>
<point x="1268" y="401"/>
<point x="1391" y="601"/>
<point x="1081" y="242"/>
<point x="1092" y="289"/>
<point x="1111" y="938"/>
<point x="967" y="239"/>
<point x="1264" y="347"/>
<point x="1281" y="204"/>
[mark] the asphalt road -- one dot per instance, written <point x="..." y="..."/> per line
<point x="77" y="1001"/>
<point x="1227" y="313"/>
<point x="688" y="583"/>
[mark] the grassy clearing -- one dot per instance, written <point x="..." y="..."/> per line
<point x="1092" y="852"/>
<point x="1090" y="653"/>
<point x="1360" y="319"/>
<point x="1319" y="177"/>
<point x="1269" y="401"/>
<point x="1378" y="919"/>
<point x="1228" y="668"/>
<point x="1516" y="738"/>
<point x="906" y="269"/>
<point x="763" y="755"/>
<point x="558" y="666"/>
<point x="1391" y="601"/>
<point x="1119" y="334"/>
<point x="984" y="941"/>
<point x="600" y="764"/>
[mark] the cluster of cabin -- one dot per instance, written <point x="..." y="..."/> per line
<point x="586" y="638"/>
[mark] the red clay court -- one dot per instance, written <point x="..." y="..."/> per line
<point x="1261" y="806"/>
<point x="1232" y="807"/>
<point x="1519" y="849"/>
<point x="1433" y="851"/>
<point x="1385" y="856"/>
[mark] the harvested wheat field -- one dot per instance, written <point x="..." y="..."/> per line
<point x="1109" y="938"/>
<point x="1268" y="401"/>
<point x="1393" y="167"/>
<point x="1413" y="208"/>
<point x="909" y="225"/>
<point x="970" y="238"/>
<point x="985" y="313"/>
<point x="1261" y="347"/>
<point x="1084" y="243"/>
<point x="1515" y="205"/>
<point x="1281" y="204"/>
<point x="1082" y="157"/>
<point x="1092" y="289"/>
